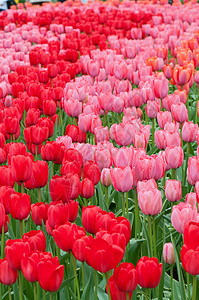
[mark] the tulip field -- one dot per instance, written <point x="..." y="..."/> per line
<point x="99" y="155"/>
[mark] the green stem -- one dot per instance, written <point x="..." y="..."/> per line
<point x="104" y="119"/>
<point x="150" y="235"/>
<point x="75" y="273"/>
<point x="127" y="205"/>
<point x="38" y="290"/>
<point x="20" y="285"/>
<point x="95" y="284"/>
<point x="61" y="120"/>
<point x="39" y="194"/>
<point x="22" y="188"/>
<point x="35" y="290"/>
<point x="188" y="151"/>
<point x="51" y="296"/>
<point x="123" y="205"/>
<point x="153" y="129"/>
<point x="2" y="242"/>
<point x="9" y="292"/>
<point x="137" y="234"/>
<point x="52" y="169"/>
<point x="109" y="293"/>
<point x="21" y="228"/>
<point x="194" y="287"/>
<point x="58" y="252"/>
<point x="44" y="295"/>
<point x="188" y="286"/>
<point x="154" y="237"/>
<point x="171" y="274"/>
<point x="106" y="197"/>
<point x="146" y="294"/>
<point x="83" y="276"/>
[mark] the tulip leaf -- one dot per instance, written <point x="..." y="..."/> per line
<point x="5" y="296"/>
<point x="133" y="251"/>
<point x="10" y="232"/>
<point x="87" y="289"/>
<point x="28" y="291"/>
<point x="181" y="280"/>
<point x="101" y="295"/>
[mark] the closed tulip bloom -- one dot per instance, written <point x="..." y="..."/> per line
<point x="149" y="272"/>
<point x="11" y="125"/>
<point x="8" y="276"/>
<point x="115" y="238"/>
<point x="190" y="259"/>
<point x="36" y="240"/>
<point x="179" y="112"/>
<point x="39" y="213"/>
<point x="102" y="256"/>
<point x="152" y="108"/>
<point x="49" y="107"/>
<point x="122" y="157"/>
<point x="73" y="108"/>
<point x="89" y="216"/>
<point x="65" y="235"/>
<point x="103" y="220"/>
<point x="20" y="205"/>
<point x="126" y="277"/>
<point x="145" y="168"/>
<point x="29" y="265"/>
<point x="92" y="172"/>
<point x="167" y="70"/>
<point x="159" y="167"/>
<point x="6" y="176"/>
<point x="181" y="215"/>
<point x="173" y="190"/>
<point x="163" y="117"/>
<point x="161" y="87"/>
<point x="150" y="202"/>
<point x="106" y="177"/>
<point x="87" y="188"/>
<point x="116" y="294"/>
<point x="139" y="140"/>
<point x="174" y="156"/>
<point x="181" y="75"/>
<point x="14" y="252"/>
<point x="160" y="139"/>
<point x="191" y="199"/>
<point x="39" y="134"/>
<point x="78" y="247"/>
<point x="73" y="155"/>
<point x="72" y="167"/>
<point x="39" y="177"/>
<point x="146" y="185"/>
<point x="168" y="254"/>
<point x="101" y="134"/>
<point x="52" y="70"/>
<point x="193" y="169"/>
<point x="2" y="215"/>
<point x="189" y="130"/>
<point x="58" y="214"/>
<point x="182" y="95"/>
<point x="122" y="178"/>
<point x="172" y="139"/>
<point x="103" y="158"/>
<point x="21" y="168"/>
<point x="51" y="280"/>
<point x="121" y="225"/>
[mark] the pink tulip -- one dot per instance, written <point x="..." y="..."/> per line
<point x="122" y="157"/>
<point x="173" y="190"/>
<point x="122" y="179"/>
<point x="101" y="134"/>
<point x="73" y="108"/>
<point x="159" y="167"/>
<point x="191" y="199"/>
<point x="174" y="156"/>
<point x="168" y="254"/>
<point x="189" y="130"/>
<point x="145" y="168"/>
<point x="146" y="185"/>
<point x="150" y="201"/>
<point x="106" y="177"/>
<point x="163" y="117"/>
<point x="179" y="112"/>
<point x="161" y="87"/>
<point x="139" y="140"/>
<point x="181" y="215"/>
<point x="103" y="158"/>
<point x="152" y="108"/>
<point x="160" y="139"/>
<point x="172" y="139"/>
<point x="193" y="170"/>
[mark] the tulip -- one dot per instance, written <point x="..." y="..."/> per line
<point x="149" y="272"/>
<point x="150" y="201"/>
<point x="103" y="158"/>
<point x="87" y="188"/>
<point x="36" y="240"/>
<point x="145" y="168"/>
<point x="8" y="276"/>
<point x="163" y="117"/>
<point x="189" y="130"/>
<point x="78" y="247"/>
<point x="181" y="215"/>
<point x="191" y="199"/>
<point x="122" y="179"/>
<point x="173" y="190"/>
<point x="92" y="172"/>
<point x="122" y="157"/>
<point x="102" y="256"/>
<point x="126" y="277"/>
<point x="106" y="177"/>
<point x="174" y="156"/>
<point x="58" y="214"/>
<point x="168" y="254"/>
<point x="21" y="168"/>
<point x="52" y="280"/>
<point x="179" y="112"/>
<point x="29" y="265"/>
<point x="20" y="205"/>
<point x="14" y="252"/>
<point x="161" y="87"/>
<point x="115" y="293"/>
<point x="39" y="213"/>
<point x="181" y="76"/>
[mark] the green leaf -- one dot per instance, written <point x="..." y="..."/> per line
<point x="181" y="280"/>
<point x="101" y="295"/>
<point x="55" y="131"/>
<point x="133" y="251"/>
<point x="87" y="289"/>
<point x="10" y="232"/>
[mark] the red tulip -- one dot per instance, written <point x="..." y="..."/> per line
<point x="89" y="216"/>
<point x="20" y="205"/>
<point x="58" y="214"/>
<point x="39" y="212"/>
<point x="149" y="272"/>
<point x="87" y="188"/>
<point x="116" y="294"/>
<point x="29" y="265"/>
<point x="50" y="274"/>
<point x="36" y="240"/>
<point x="14" y="252"/>
<point x="8" y="276"/>
<point x="126" y="277"/>
<point x="39" y="177"/>
<point x="78" y="247"/>
<point x="21" y="168"/>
